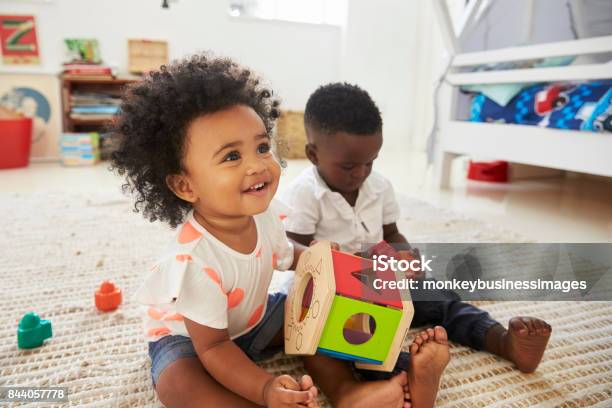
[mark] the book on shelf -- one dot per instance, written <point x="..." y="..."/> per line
<point x="82" y="99"/>
<point x="93" y="103"/>
<point x="80" y="139"/>
<point x="91" y="117"/>
<point x="96" y="110"/>
<point x="84" y="160"/>
<point x="87" y="69"/>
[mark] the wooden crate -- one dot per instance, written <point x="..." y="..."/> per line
<point x="291" y="136"/>
<point x="146" y="55"/>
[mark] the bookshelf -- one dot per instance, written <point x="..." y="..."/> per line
<point x="88" y="102"/>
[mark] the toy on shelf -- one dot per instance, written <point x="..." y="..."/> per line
<point x="108" y="297"/>
<point x="335" y="308"/>
<point x="33" y="331"/>
<point x="79" y="149"/>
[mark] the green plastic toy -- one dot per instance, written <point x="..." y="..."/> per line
<point x="33" y="331"/>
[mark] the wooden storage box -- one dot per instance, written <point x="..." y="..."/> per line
<point x="146" y="55"/>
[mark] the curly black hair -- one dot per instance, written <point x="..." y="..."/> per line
<point x="342" y="107"/>
<point x="149" y="135"/>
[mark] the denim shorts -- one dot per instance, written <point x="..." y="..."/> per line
<point x="168" y="349"/>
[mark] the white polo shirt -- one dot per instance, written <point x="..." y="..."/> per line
<point x="316" y="210"/>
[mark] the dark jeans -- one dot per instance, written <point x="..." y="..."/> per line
<point x="464" y="323"/>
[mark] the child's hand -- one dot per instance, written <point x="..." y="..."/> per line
<point x="334" y="245"/>
<point x="284" y="391"/>
<point x="307" y="384"/>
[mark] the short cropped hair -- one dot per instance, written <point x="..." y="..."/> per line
<point x="342" y="107"/>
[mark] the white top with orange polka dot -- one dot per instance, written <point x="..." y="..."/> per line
<point x="203" y="279"/>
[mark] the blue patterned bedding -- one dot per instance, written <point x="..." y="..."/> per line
<point x="579" y="106"/>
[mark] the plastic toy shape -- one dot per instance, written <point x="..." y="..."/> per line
<point x="108" y="297"/>
<point x="33" y="331"/>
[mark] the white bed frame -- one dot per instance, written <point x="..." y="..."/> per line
<point x="584" y="152"/>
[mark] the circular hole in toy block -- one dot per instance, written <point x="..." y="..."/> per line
<point x="304" y="295"/>
<point x="359" y="328"/>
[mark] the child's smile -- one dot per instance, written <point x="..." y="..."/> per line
<point x="259" y="189"/>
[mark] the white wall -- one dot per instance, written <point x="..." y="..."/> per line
<point x="520" y="22"/>
<point x="296" y="58"/>
<point x="379" y="55"/>
<point x="379" y="49"/>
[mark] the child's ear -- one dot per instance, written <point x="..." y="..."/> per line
<point x="311" y="153"/>
<point x="179" y="184"/>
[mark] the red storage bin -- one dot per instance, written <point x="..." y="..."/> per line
<point x="496" y="171"/>
<point x="15" y="142"/>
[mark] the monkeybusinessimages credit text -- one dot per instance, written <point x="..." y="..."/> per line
<point x="384" y="263"/>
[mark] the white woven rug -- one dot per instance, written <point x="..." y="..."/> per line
<point x="56" y="248"/>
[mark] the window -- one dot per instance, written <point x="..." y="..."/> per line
<point x="302" y="11"/>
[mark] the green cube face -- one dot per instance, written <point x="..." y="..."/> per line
<point x="376" y="348"/>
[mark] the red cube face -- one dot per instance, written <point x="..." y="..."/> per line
<point x="355" y="279"/>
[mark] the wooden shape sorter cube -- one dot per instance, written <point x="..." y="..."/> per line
<point x="334" y="308"/>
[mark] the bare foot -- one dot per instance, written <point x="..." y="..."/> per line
<point x="525" y="341"/>
<point x="407" y="398"/>
<point x="391" y="393"/>
<point x="306" y="384"/>
<point x="429" y="355"/>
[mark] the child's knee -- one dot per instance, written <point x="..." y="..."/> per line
<point x="174" y="384"/>
<point x="169" y="390"/>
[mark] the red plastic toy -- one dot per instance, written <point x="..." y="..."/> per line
<point x="496" y="171"/>
<point x="108" y="297"/>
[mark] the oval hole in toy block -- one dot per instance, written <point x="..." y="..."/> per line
<point x="304" y="292"/>
<point x="359" y="328"/>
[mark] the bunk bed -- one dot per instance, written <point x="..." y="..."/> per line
<point x="454" y="135"/>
